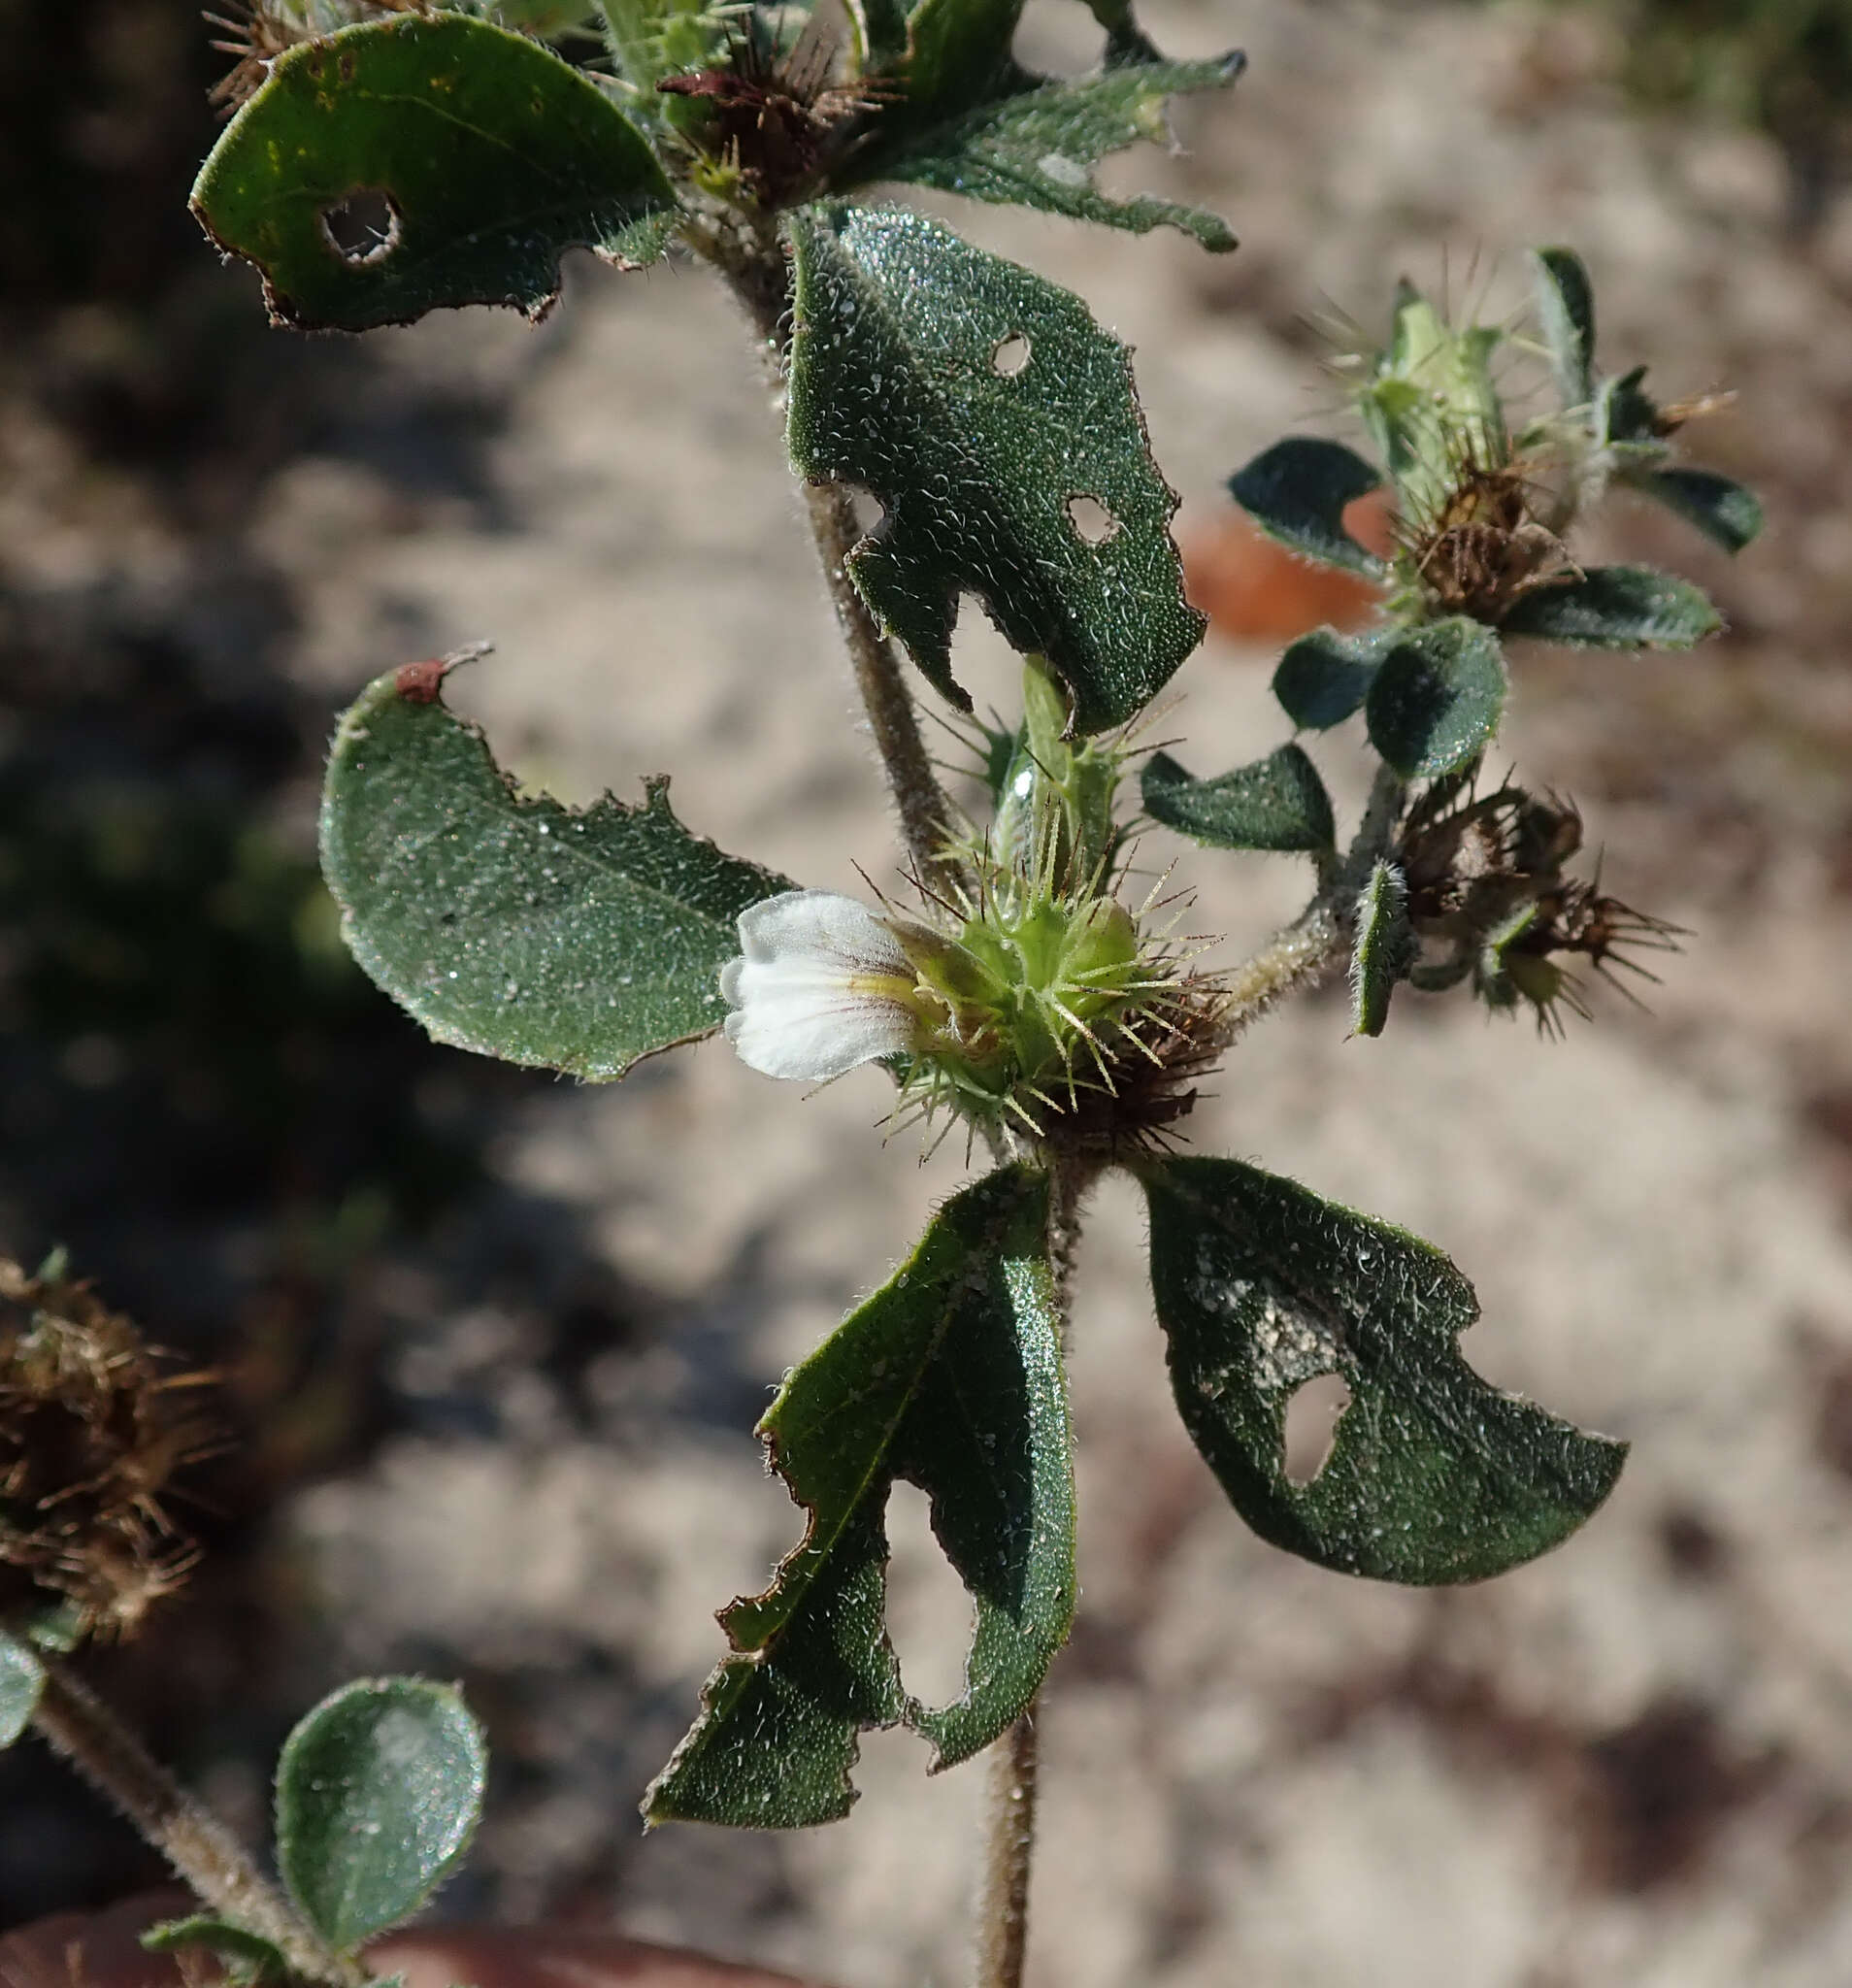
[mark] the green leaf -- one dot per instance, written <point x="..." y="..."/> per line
<point x="1434" y="703"/>
<point x="1617" y="607"/>
<point x="1433" y="1476"/>
<point x="378" y="1794"/>
<point x="21" y="1680"/>
<point x="581" y="941"/>
<point x="1718" y="506"/>
<point x="427" y="160"/>
<point x="1565" y="309"/>
<point x="987" y="412"/>
<point x="248" y="1957"/>
<point x="1324" y="676"/>
<point x="1297" y="492"/>
<point x="1038" y="146"/>
<point x="1384" y="948"/>
<point x="1278" y="803"/>
<point x="951" y="1377"/>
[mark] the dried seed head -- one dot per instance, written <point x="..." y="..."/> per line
<point x="255" y="32"/>
<point x="92" y="1429"/>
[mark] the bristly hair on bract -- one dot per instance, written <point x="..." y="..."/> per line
<point x="255" y="32"/>
<point x="94" y="1426"/>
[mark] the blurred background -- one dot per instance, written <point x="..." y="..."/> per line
<point x="493" y="1344"/>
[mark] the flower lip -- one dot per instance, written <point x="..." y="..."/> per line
<point x="821" y="985"/>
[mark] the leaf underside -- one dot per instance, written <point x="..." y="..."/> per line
<point x="1278" y="803"/>
<point x="904" y="381"/>
<point x="1038" y="146"/>
<point x="1617" y="607"/>
<point x="21" y="1680"/>
<point x="495" y="155"/>
<point x="1721" y="507"/>
<point x="1436" y="699"/>
<point x="951" y="1376"/>
<point x="1432" y="1476"/>
<point x="1384" y="947"/>
<point x="518" y="928"/>
<point x="378" y="1794"/>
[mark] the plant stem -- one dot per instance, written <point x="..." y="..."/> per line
<point x="1317" y="942"/>
<point x="78" y="1725"/>
<point x="756" y="271"/>
<point x="1010" y="1798"/>
<point x="1009" y="1842"/>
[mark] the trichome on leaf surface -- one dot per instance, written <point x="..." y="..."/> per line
<point x="386" y="159"/>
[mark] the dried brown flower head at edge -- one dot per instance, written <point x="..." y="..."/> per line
<point x="94" y="1425"/>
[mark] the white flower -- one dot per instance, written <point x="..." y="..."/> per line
<point x="825" y="984"/>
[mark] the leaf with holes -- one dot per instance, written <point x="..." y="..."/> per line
<point x="1278" y="803"/>
<point x="949" y="1377"/>
<point x="378" y="1794"/>
<point x="1297" y="492"/>
<point x="1617" y="607"/>
<point x="579" y="939"/>
<point x="1433" y="1476"/>
<point x="987" y="412"/>
<point x="1566" y="310"/>
<point x="21" y="1680"/>
<point x="1038" y="145"/>
<point x="1435" y="702"/>
<point x="1718" y="506"/>
<point x="1384" y="948"/>
<point x="427" y="160"/>
<point x="1324" y="677"/>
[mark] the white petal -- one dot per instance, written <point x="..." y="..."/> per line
<point x="825" y="925"/>
<point x="815" y="1033"/>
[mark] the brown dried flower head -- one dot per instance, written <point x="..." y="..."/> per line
<point x="93" y="1427"/>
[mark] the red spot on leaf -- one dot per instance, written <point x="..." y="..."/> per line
<point x="420" y="683"/>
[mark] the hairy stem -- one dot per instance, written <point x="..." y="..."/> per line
<point x="1317" y="942"/>
<point x="1010" y="1798"/>
<point x="1009" y="1842"/>
<point x="756" y="271"/>
<point x="78" y="1725"/>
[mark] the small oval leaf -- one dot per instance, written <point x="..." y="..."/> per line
<point x="1433" y="1476"/>
<point x="581" y="939"/>
<point x="378" y="1794"/>
<point x="1718" y="506"/>
<point x="1617" y="607"/>
<point x="1436" y="700"/>
<point x="1324" y="677"/>
<point x="1297" y="491"/>
<point x="1278" y="803"/>
<point x="247" y="1957"/>
<point x="406" y="164"/>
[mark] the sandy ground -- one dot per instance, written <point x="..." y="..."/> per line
<point x="1629" y="1762"/>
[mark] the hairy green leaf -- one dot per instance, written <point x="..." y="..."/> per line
<point x="378" y="1794"/>
<point x="1718" y="506"/>
<point x="1324" y="677"/>
<point x="247" y="1957"/>
<point x="1038" y="146"/>
<point x="583" y="941"/>
<point x="1278" y="803"/>
<point x="1617" y="607"/>
<point x="1384" y="948"/>
<point x="1565" y="309"/>
<point x="949" y="1377"/>
<point x="1296" y="490"/>
<point x="998" y="425"/>
<point x="1433" y="1476"/>
<point x="427" y="160"/>
<point x="21" y="1680"/>
<point x="1435" y="700"/>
